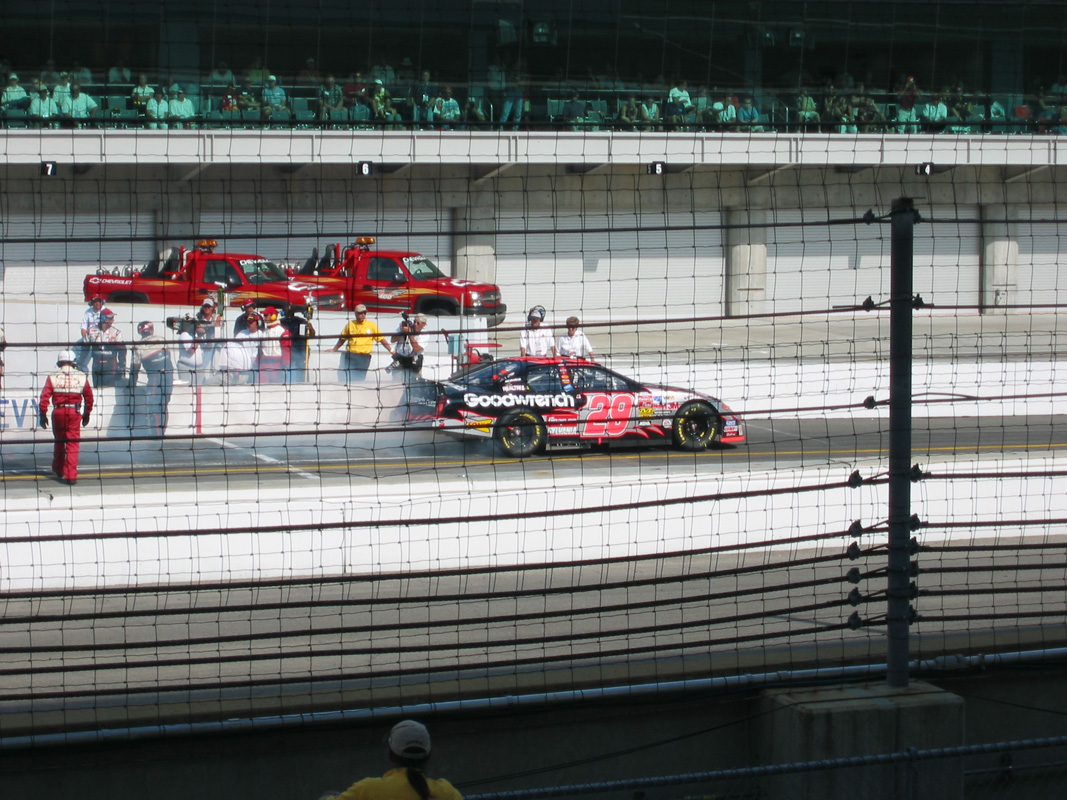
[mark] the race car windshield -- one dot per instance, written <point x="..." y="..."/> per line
<point x="422" y="268"/>
<point x="263" y="271"/>
<point x="487" y="376"/>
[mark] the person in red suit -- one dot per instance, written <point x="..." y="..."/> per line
<point x="69" y="391"/>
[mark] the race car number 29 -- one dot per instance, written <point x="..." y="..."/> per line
<point x="608" y="414"/>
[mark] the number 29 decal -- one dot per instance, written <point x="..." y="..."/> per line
<point x="607" y="414"/>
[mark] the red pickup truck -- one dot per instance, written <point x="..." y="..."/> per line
<point x="186" y="277"/>
<point x="391" y="281"/>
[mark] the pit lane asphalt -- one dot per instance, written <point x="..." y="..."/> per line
<point x="400" y="455"/>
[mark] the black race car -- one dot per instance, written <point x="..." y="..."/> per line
<point x="530" y="404"/>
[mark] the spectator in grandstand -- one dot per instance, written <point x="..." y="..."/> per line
<point x="118" y="73"/>
<point x="409" y="751"/>
<point x="80" y="74"/>
<point x="142" y="93"/>
<point x="79" y="106"/>
<point x="842" y="117"/>
<point x="221" y="76"/>
<point x="869" y="118"/>
<point x="69" y="390"/>
<point x="50" y="75"/>
<point x="1059" y="127"/>
<point x="382" y="72"/>
<point x="247" y="98"/>
<point x="574" y="343"/>
<point x="421" y="97"/>
<point x="908" y="98"/>
<point x="358" y="338"/>
<point x="998" y="117"/>
<point x="157" y="110"/>
<point x="181" y="112"/>
<point x="44" y="109"/>
<point x="574" y="112"/>
<point x="409" y="343"/>
<point x="629" y="115"/>
<point x="1058" y="90"/>
<point x="151" y="400"/>
<point x="355" y="91"/>
<point x="273" y="97"/>
<point x="330" y="97"/>
<point x="61" y="91"/>
<point x="533" y="339"/>
<point x="935" y="114"/>
<point x="648" y="115"/>
<point x="807" y="111"/>
<point x="405" y="74"/>
<point x="473" y="115"/>
<point x="446" y="111"/>
<point x="14" y="96"/>
<point x="231" y="98"/>
<point x="256" y="74"/>
<point x="171" y="87"/>
<point x="514" y="97"/>
<point x="309" y="77"/>
<point x="276" y="349"/>
<point x="682" y="103"/>
<point x="728" y="112"/>
<point x="748" y="116"/>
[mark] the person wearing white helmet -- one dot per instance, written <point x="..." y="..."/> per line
<point x="409" y="750"/>
<point x="108" y="351"/>
<point x="276" y="349"/>
<point x="68" y="390"/>
<point x="533" y="339"/>
<point x="152" y="400"/>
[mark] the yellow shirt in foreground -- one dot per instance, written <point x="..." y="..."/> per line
<point x="394" y="786"/>
<point x="361" y="344"/>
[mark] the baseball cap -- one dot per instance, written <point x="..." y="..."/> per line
<point x="107" y="313"/>
<point x="361" y="309"/>
<point x="270" y="311"/>
<point x="271" y="78"/>
<point x="210" y="301"/>
<point x="247" y="304"/>
<point x="409" y="739"/>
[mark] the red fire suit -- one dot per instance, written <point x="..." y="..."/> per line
<point x="66" y="388"/>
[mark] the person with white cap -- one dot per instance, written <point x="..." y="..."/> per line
<point x="533" y="339"/>
<point x="90" y="322"/>
<point x="276" y="349"/>
<point x="409" y="750"/>
<point x="69" y="391"/>
<point x="273" y="97"/>
<point x="574" y="343"/>
<point x="359" y="336"/>
<point x="151" y="400"/>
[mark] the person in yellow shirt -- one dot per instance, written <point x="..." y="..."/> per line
<point x="409" y="750"/>
<point x="360" y="335"/>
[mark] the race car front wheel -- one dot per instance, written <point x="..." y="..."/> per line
<point x="695" y="426"/>
<point x="521" y="433"/>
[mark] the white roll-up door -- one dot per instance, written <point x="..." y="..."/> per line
<point x="600" y="266"/>
<point x="52" y="253"/>
<point x="1042" y="249"/>
<point x="817" y="260"/>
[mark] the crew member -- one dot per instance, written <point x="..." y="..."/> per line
<point x="360" y="335"/>
<point x="90" y="322"/>
<point x="575" y="344"/>
<point x="194" y="357"/>
<point x="109" y="352"/>
<point x="154" y="398"/>
<point x="409" y="343"/>
<point x="275" y="356"/>
<point x="67" y="389"/>
<point x="533" y="339"/>
<point x="241" y="323"/>
<point x="298" y="323"/>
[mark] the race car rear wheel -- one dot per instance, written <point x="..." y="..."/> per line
<point x="696" y="426"/>
<point x="521" y="433"/>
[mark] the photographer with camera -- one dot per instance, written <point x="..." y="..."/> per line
<point x="194" y="355"/>
<point x="409" y="343"/>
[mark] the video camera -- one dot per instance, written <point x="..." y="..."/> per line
<point x="405" y="322"/>
<point x="186" y="324"/>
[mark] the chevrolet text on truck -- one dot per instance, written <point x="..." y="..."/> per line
<point x="391" y="281"/>
<point x="181" y="277"/>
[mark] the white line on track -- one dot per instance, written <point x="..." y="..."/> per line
<point x="266" y="459"/>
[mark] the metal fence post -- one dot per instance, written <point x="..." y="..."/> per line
<point x="900" y="366"/>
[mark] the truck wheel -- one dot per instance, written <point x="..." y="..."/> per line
<point x="696" y="425"/>
<point x="440" y="311"/>
<point x="521" y="433"/>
